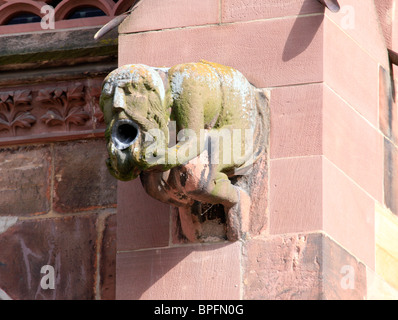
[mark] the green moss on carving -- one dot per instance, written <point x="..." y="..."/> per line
<point x="198" y="96"/>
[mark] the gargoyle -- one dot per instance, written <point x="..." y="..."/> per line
<point x="221" y="122"/>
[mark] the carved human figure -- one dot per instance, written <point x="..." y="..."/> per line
<point x="221" y="122"/>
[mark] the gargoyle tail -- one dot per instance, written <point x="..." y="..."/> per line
<point x="261" y="132"/>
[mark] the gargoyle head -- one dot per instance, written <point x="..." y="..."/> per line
<point x="134" y="104"/>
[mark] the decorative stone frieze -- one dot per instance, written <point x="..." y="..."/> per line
<point x="15" y="110"/>
<point x="64" y="106"/>
<point x="49" y="112"/>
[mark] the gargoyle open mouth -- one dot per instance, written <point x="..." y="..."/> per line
<point x="124" y="133"/>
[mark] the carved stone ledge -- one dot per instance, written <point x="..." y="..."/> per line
<point x="48" y="48"/>
<point x="60" y="72"/>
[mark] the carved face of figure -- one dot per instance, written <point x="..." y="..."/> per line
<point x="132" y="102"/>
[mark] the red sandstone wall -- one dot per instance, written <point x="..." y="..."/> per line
<point x="57" y="207"/>
<point x="331" y="160"/>
<point x="57" y="199"/>
<point x="326" y="170"/>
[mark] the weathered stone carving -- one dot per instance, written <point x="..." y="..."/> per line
<point x="15" y="110"/>
<point x="221" y="124"/>
<point x="45" y="112"/>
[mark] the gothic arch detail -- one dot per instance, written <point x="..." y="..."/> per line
<point x="10" y="8"/>
<point x="65" y="7"/>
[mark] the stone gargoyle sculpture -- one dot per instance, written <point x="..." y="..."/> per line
<point x="220" y="126"/>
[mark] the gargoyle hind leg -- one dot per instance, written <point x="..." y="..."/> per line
<point x="156" y="185"/>
<point x="236" y="202"/>
<point x="218" y="189"/>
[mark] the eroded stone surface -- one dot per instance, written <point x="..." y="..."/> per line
<point x="108" y="259"/>
<point x="25" y="174"/>
<point x="81" y="180"/>
<point x="67" y="244"/>
<point x="302" y="267"/>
